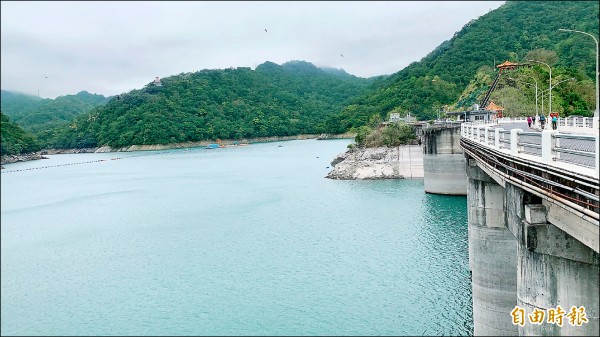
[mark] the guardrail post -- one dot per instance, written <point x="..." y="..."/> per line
<point x="595" y="123"/>
<point x="486" y="135"/>
<point x="478" y="135"/>
<point x="547" y="146"/>
<point x="585" y="122"/>
<point x="514" y="141"/>
<point x="497" y="137"/>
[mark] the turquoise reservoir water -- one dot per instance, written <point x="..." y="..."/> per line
<point x="236" y="241"/>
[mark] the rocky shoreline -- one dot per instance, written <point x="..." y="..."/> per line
<point x="8" y="159"/>
<point x="400" y="162"/>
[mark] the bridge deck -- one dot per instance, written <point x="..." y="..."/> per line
<point x="558" y="165"/>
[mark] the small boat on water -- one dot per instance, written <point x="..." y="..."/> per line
<point x="216" y="145"/>
<point x="219" y="144"/>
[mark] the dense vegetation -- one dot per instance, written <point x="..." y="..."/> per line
<point x="272" y="100"/>
<point x="572" y="93"/>
<point x="14" y="139"/>
<point x="38" y="115"/>
<point x="297" y="97"/>
<point x="512" y="32"/>
<point x="394" y="134"/>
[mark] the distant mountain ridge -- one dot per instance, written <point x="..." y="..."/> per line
<point x="273" y="100"/>
<point x="298" y="97"/>
<point x="35" y="114"/>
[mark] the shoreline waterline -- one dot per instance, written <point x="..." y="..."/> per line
<point x="9" y="159"/>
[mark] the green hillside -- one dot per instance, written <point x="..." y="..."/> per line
<point x="511" y="32"/>
<point x="298" y="97"/>
<point x="14" y="139"/>
<point x="272" y="100"/>
<point x="13" y="102"/>
<point x="38" y="115"/>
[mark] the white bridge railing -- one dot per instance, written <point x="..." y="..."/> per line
<point x="577" y="150"/>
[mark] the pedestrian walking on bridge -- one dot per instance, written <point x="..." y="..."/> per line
<point x="554" y="121"/>
<point x="529" y="121"/>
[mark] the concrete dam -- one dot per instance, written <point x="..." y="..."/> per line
<point x="532" y="201"/>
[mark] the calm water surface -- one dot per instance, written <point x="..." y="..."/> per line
<point x="236" y="241"/>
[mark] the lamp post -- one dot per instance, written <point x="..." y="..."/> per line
<point x="536" y="90"/>
<point x="555" y="84"/>
<point x="595" y="40"/>
<point x="550" y="89"/>
<point x="536" y="94"/>
<point x="541" y="94"/>
<point x="549" y="85"/>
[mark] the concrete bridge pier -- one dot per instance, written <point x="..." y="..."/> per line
<point x="554" y="269"/>
<point x="492" y="255"/>
<point x="443" y="161"/>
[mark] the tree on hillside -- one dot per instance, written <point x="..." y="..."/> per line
<point x="14" y="140"/>
<point x="514" y="32"/>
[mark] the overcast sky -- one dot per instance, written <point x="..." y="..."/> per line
<point x="111" y="47"/>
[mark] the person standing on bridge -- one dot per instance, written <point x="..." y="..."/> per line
<point x="529" y="121"/>
<point x="554" y="120"/>
<point x="542" y="121"/>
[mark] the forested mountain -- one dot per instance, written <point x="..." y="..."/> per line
<point x="297" y="97"/>
<point x="511" y="32"/>
<point x="13" y="102"/>
<point x="38" y="115"/>
<point x="272" y="100"/>
<point x="14" y="139"/>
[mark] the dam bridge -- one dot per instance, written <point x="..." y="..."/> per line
<point x="533" y="214"/>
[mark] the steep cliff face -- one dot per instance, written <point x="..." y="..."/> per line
<point x="378" y="163"/>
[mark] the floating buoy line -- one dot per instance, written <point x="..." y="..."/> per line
<point x="83" y="162"/>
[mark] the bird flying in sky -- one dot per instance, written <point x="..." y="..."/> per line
<point x="342" y="55"/>
<point x="265" y="30"/>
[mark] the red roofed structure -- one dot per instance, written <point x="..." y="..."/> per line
<point x="498" y="110"/>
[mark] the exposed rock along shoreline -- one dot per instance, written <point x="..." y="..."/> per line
<point x="401" y="162"/>
<point x="8" y="159"/>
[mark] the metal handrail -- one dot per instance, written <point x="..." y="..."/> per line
<point x="549" y="148"/>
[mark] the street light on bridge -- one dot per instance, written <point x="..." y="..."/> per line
<point x="555" y="84"/>
<point x="536" y="101"/>
<point x="549" y="85"/>
<point x="550" y="89"/>
<point x="536" y="93"/>
<point x="595" y="40"/>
